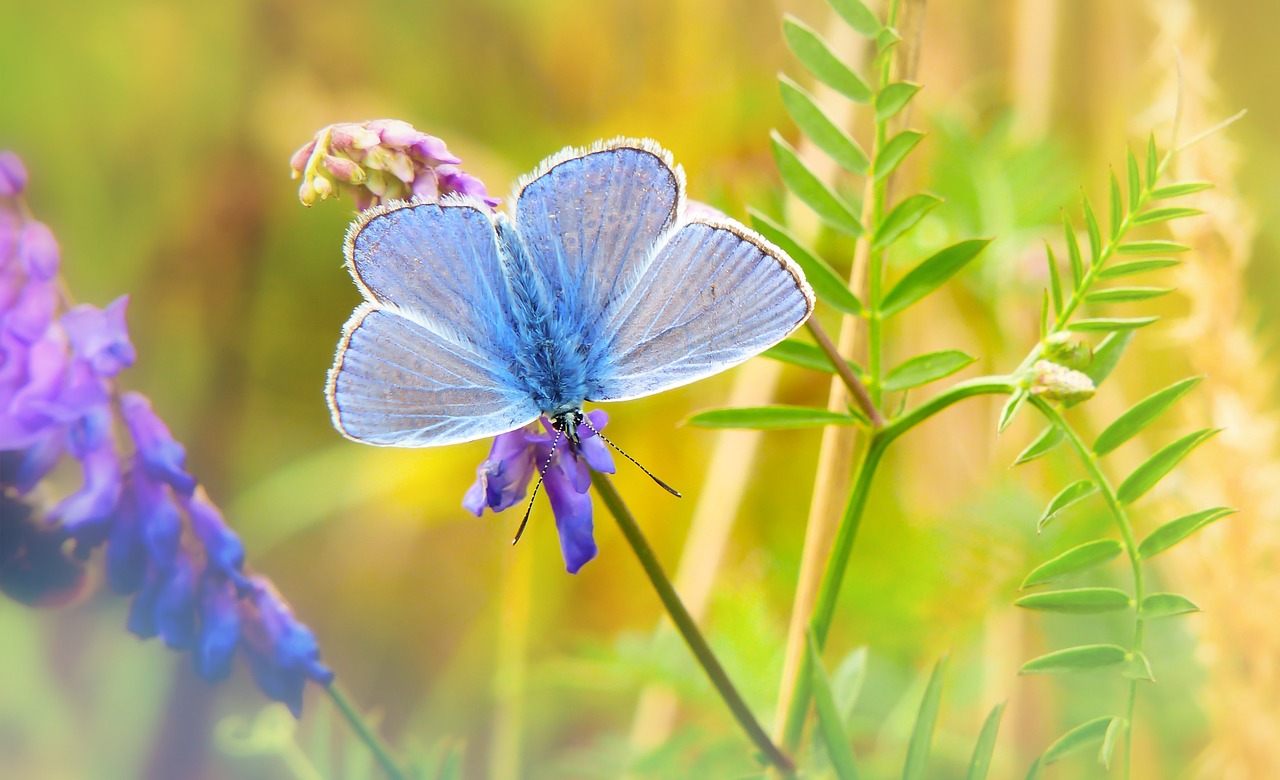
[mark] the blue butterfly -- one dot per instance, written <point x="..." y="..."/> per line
<point x="600" y="286"/>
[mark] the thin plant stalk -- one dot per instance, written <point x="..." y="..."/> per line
<point x="366" y="733"/>
<point x="687" y="628"/>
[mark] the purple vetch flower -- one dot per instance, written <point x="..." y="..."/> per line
<point x="13" y="175"/>
<point x="377" y="161"/>
<point x="503" y="479"/>
<point x="282" y="652"/>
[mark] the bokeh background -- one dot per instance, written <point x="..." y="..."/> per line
<point x="158" y="136"/>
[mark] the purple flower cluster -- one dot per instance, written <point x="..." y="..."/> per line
<point x="379" y="161"/>
<point x="166" y="542"/>
<point x="503" y="478"/>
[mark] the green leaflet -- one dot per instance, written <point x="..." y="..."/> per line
<point x="1078" y="738"/>
<point x="895" y="151"/>
<point x="830" y="724"/>
<point x="771" y="418"/>
<point x="1138" y="667"/>
<point x="1133" y="267"/>
<point x="1153" y="161"/>
<point x="1146" y="476"/>
<point x="1134" y="180"/>
<point x="809" y="188"/>
<point x="799" y="353"/>
<point x="1179" y="189"/>
<point x="1055" y="278"/>
<point x="922" y="733"/>
<point x="1175" y="531"/>
<point x="1049" y="438"/>
<point x="1115" y="730"/>
<point x="903" y="217"/>
<point x="923" y="369"/>
<point x="1076" y="491"/>
<point x="1117" y="208"/>
<point x="1095" y="233"/>
<point x="1010" y="409"/>
<point x="857" y="16"/>
<point x="819" y="128"/>
<point x="818" y="59"/>
<point x="1073" y="252"/>
<point x="1164" y="605"/>
<point x="1164" y="215"/>
<point x="1077" y="601"/>
<point x="893" y="98"/>
<point x="1126" y="294"/>
<point x="1140" y="415"/>
<point x="1076" y="659"/>
<point x="1107" y="355"/>
<point x="980" y="764"/>
<point x="930" y="274"/>
<point x="1109" y="324"/>
<point x="826" y="283"/>
<point x="1074" y="561"/>
<point x="1153" y="247"/>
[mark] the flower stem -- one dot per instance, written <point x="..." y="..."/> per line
<point x="366" y="733"/>
<point x="684" y="623"/>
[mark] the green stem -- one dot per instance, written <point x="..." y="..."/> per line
<point x="1090" y="462"/>
<point x="837" y="563"/>
<point x="366" y="733"/>
<point x="685" y="625"/>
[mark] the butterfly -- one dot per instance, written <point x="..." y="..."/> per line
<point x="601" y="285"/>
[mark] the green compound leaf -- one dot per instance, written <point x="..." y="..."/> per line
<point x="930" y="274"/>
<point x="1077" y="601"/>
<point x="767" y="418"/>
<point x="1165" y="605"/>
<point x="1117" y="208"/>
<point x="1083" y="736"/>
<point x="1153" y="247"/>
<point x="1164" y="215"/>
<point x="1076" y="659"/>
<point x="923" y="369"/>
<point x="894" y="98"/>
<point x="980" y="764"/>
<point x="894" y="152"/>
<point x="799" y="353"/>
<point x="926" y="718"/>
<point x="1010" y="409"/>
<point x="1175" y="531"/>
<point x="1074" y="561"/>
<point x="1138" y="667"/>
<point x="1055" y="278"/>
<point x="1109" y="741"/>
<point x="1109" y="324"/>
<point x="830" y="724"/>
<point x="1153" y="161"/>
<point x="1126" y="294"/>
<point x="903" y="217"/>
<point x="857" y="16"/>
<point x="818" y="59"/>
<point x="819" y="128"/>
<point x="1107" y="355"/>
<point x="1180" y="189"/>
<point x="1049" y="438"/>
<point x="809" y="188"/>
<point x="1095" y="233"/>
<point x="1073" y="252"/>
<point x="1071" y="494"/>
<point x="1157" y="466"/>
<point x="1134" y="180"/>
<point x="826" y="283"/>
<point x="1134" y="267"/>
<point x="1140" y="415"/>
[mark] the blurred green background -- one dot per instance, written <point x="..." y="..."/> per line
<point x="158" y="136"/>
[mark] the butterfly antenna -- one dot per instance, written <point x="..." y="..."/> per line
<point x="587" y="421"/>
<point x="541" y="474"/>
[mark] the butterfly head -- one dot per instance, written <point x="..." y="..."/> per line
<point x="567" y="423"/>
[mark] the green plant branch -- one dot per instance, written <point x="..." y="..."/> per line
<point x="366" y="733"/>
<point x="685" y="625"/>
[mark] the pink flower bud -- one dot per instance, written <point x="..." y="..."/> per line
<point x="13" y="175"/>
<point x="300" y="158"/>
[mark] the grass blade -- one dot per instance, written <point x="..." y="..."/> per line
<point x="926" y="718"/>
<point x="830" y="724"/>
<point x="980" y="764"/>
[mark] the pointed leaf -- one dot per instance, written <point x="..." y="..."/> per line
<point x="1153" y="161"/>
<point x="826" y="283"/>
<point x="810" y="189"/>
<point x="818" y="59"/>
<point x="1073" y="252"/>
<point x="770" y="418"/>
<point x="1175" y="531"/>
<point x="1107" y="355"/>
<point x="1076" y="491"/>
<point x="894" y="98"/>
<point x="887" y="38"/>
<point x="1048" y="439"/>
<point x="830" y="725"/>
<point x="1010" y="410"/>
<point x="1109" y="324"/>
<point x="799" y="353"/>
<point x="903" y="217"/>
<point x="1076" y="659"/>
<point x="1076" y="601"/>
<point x="1164" y="605"/>
<point x="1044" y="315"/>
<point x="895" y="151"/>
<point x="818" y="127"/>
<point x="1134" y="181"/>
<point x="1074" y="561"/>
<point x="857" y="16"/>
<point x="846" y="683"/>
<point x="1164" y="215"/>
<point x="1095" y="233"/>
<point x="980" y="764"/>
<point x="1179" y="189"/>
<point x="1117" y="209"/>
<point x="1126" y="294"/>
<point x="1077" y="739"/>
<point x="922" y="733"/>
<point x="1036" y="770"/>
<point x="930" y="274"/>
<point x="1157" y="466"/>
<point x="923" y="369"/>
<point x="1140" y="415"/>
<point x="1133" y="267"/>
<point x="1055" y="278"/>
<point x="1138" y="667"/>
<point x="1115" y="730"/>
<point x="1153" y="247"/>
